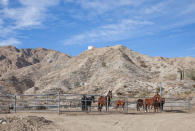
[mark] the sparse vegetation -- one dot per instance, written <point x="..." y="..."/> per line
<point x="187" y="92"/>
<point x="191" y="74"/>
<point x="158" y="89"/>
<point x="170" y="77"/>
<point x="143" y="94"/>
<point x="103" y="64"/>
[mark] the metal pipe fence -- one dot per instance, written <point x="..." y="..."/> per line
<point x="60" y="103"/>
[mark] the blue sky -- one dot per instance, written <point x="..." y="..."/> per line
<point x="153" y="27"/>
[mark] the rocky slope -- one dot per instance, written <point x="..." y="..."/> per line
<point x="94" y="71"/>
<point x="21" y="69"/>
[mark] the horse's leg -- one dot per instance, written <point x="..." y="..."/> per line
<point x="83" y="106"/>
<point x="137" y="107"/>
<point x="146" y="108"/>
<point x="98" y="106"/>
<point x="90" y="107"/>
<point x="117" y="107"/>
<point x="162" y="107"/>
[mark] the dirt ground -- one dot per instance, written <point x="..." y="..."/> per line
<point x="172" y="121"/>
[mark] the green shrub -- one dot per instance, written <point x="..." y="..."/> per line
<point x="103" y="64"/>
<point x="143" y="94"/>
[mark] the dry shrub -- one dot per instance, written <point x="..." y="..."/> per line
<point x="171" y="77"/>
<point x="103" y="64"/>
<point x="191" y="74"/>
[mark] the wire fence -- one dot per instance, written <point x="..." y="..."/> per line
<point x="60" y="103"/>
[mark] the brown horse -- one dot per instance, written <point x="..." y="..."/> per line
<point x="104" y="100"/>
<point x="149" y="103"/>
<point x="120" y="103"/>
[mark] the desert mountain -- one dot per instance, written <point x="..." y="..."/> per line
<point x="94" y="71"/>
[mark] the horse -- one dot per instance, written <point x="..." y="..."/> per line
<point x="86" y="102"/>
<point x="140" y="103"/>
<point x="104" y="100"/>
<point x="149" y="102"/>
<point x="120" y="103"/>
<point x="159" y="105"/>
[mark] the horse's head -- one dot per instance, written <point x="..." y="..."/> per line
<point x="93" y="99"/>
<point x="109" y="94"/>
<point x="84" y="97"/>
<point x="157" y="97"/>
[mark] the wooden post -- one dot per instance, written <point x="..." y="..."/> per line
<point x="15" y="104"/>
<point x="58" y="102"/>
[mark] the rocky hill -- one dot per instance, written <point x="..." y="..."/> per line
<point x="94" y="71"/>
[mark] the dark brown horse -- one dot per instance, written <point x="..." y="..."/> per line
<point x="159" y="104"/>
<point x="140" y="103"/>
<point x="119" y="103"/>
<point x="149" y="102"/>
<point x="104" y="101"/>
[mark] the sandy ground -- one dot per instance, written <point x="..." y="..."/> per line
<point x="115" y="122"/>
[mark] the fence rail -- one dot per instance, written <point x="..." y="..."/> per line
<point x="60" y="103"/>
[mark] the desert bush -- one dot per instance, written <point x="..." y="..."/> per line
<point x="143" y="94"/>
<point x="103" y="64"/>
<point x="158" y="89"/>
<point x="191" y="74"/>
<point x="170" y="76"/>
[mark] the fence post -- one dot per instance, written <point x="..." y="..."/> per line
<point x="85" y="100"/>
<point x="107" y="106"/>
<point x="58" y="102"/>
<point x="127" y="104"/>
<point x="189" y="104"/>
<point x="47" y="99"/>
<point x="15" y="104"/>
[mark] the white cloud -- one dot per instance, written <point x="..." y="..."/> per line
<point x="4" y="2"/>
<point x="101" y="6"/>
<point x="189" y="9"/>
<point x="191" y="49"/>
<point x="30" y="14"/>
<point x="108" y="33"/>
<point x="10" y="41"/>
<point x="1" y="22"/>
<point x="158" y="8"/>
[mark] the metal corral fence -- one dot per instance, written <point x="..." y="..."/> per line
<point x="72" y="103"/>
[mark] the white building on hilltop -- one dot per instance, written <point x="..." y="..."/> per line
<point x="91" y="47"/>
